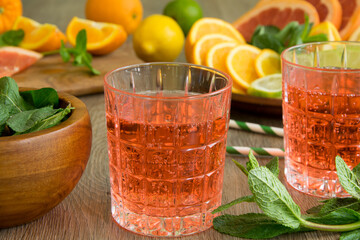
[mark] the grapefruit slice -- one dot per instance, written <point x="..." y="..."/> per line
<point x="350" y="17"/>
<point x="276" y="12"/>
<point x="328" y="10"/>
<point x="15" y="59"/>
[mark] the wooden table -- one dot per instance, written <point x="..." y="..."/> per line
<point x="85" y="213"/>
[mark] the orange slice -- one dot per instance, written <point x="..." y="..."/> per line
<point x="216" y="56"/>
<point x="238" y="91"/>
<point x="276" y="12"/>
<point x="39" y="37"/>
<point x="203" y="45"/>
<point x="206" y="26"/>
<point x="240" y="64"/>
<point x="350" y="17"/>
<point x="326" y="28"/>
<point x="267" y="63"/>
<point x="102" y="38"/>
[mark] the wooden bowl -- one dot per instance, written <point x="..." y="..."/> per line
<point x="38" y="170"/>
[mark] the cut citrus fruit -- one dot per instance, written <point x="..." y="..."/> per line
<point x="203" y="45"/>
<point x="276" y="12"/>
<point x="39" y="37"/>
<point x="328" y="10"/>
<point x="326" y="28"/>
<point x="206" y="26"/>
<point x="102" y="38"/>
<point x="10" y="10"/>
<point x="15" y="59"/>
<point x="240" y="64"/>
<point x="267" y="63"/>
<point x="216" y="56"/>
<point x="269" y="86"/>
<point x="355" y="36"/>
<point x="237" y="90"/>
<point x="350" y="17"/>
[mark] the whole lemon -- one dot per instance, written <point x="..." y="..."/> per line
<point x="158" y="39"/>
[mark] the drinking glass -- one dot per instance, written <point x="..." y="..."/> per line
<point x="321" y="114"/>
<point x="167" y="125"/>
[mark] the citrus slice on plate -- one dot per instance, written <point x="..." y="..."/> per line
<point x="203" y="45"/>
<point x="276" y="12"/>
<point x="206" y="26"/>
<point x="240" y="64"/>
<point x="39" y="37"/>
<point x="267" y="62"/>
<point x="350" y="17"/>
<point x="269" y="86"/>
<point x="328" y="29"/>
<point x="216" y="56"/>
<point x="102" y="38"/>
<point x="15" y="59"/>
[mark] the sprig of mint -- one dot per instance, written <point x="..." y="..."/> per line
<point x="79" y="53"/>
<point x="11" y="38"/>
<point x="28" y="111"/>
<point x="292" y="34"/>
<point x="282" y="215"/>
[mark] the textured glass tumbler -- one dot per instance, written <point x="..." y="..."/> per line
<point x="321" y="114"/>
<point x="167" y="125"/>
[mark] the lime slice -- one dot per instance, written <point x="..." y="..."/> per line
<point x="268" y="86"/>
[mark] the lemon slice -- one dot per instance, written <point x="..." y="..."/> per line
<point x="269" y="86"/>
<point x="267" y="63"/>
<point x="328" y="29"/>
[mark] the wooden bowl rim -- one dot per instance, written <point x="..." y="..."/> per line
<point x="76" y="114"/>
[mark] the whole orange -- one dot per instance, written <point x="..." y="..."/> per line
<point x="9" y="11"/>
<point x="127" y="13"/>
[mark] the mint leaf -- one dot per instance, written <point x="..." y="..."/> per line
<point x="273" y="198"/>
<point x="234" y="202"/>
<point x="10" y="96"/>
<point x="347" y="178"/>
<point x="65" y="55"/>
<point x="25" y="120"/>
<point x="4" y="115"/>
<point x="12" y="38"/>
<point x="51" y="120"/>
<point x="334" y="204"/>
<point x="337" y="217"/>
<point x="356" y="171"/>
<point x="273" y="166"/>
<point x="251" y="225"/>
<point x="81" y="41"/>
<point x="252" y="163"/>
<point x="41" y="97"/>
<point x="353" y="235"/>
<point x="241" y="167"/>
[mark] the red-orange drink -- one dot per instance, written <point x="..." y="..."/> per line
<point x="167" y="156"/>
<point x="321" y="113"/>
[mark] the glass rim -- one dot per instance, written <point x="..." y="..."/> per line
<point x="318" y="69"/>
<point x="224" y="89"/>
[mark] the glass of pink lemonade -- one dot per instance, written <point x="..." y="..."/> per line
<point x="167" y="125"/>
<point x="321" y="114"/>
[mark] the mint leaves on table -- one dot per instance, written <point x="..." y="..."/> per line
<point x="11" y="38"/>
<point x="28" y="111"/>
<point x="292" y="34"/>
<point x="282" y="215"/>
<point x="79" y="53"/>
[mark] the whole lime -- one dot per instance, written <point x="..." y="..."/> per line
<point x="184" y="12"/>
<point x="158" y="39"/>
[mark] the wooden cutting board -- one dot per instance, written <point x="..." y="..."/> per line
<point x="51" y="71"/>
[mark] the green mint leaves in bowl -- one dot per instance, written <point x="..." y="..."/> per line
<point x="28" y="111"/>
<point x="282" y="215"/>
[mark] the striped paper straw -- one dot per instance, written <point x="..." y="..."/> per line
<point x="275" y="152"/>
<point x="253" y="127"/>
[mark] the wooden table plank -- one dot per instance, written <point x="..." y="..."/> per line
<point x="85" y="213"/>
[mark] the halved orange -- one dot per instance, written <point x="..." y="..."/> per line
<point x="203" y="45"/>
<point x="350" y="17"/>
<point x="39" y="37"/>
<point x="206" y="26"/>
<point x="216" y="56"/>
<point x="267" y="63"/>
<point x="276" y="12"/>
<point x="240" y="64"/>
<point x="102" y="38"/>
